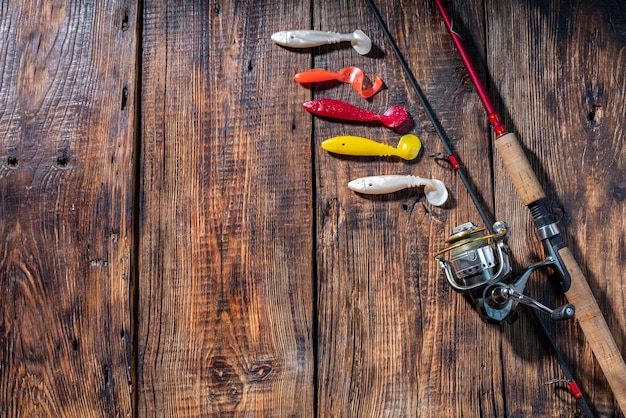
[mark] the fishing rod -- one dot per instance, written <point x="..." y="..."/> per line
<point x="559" y="257"/>
<point x="482" y="270"/>
<point x="491" y="227"/>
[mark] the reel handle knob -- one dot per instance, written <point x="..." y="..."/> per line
<point x="563" y="312"/>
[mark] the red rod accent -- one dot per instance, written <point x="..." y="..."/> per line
<point x="454" y="162"/>
<point x="494" y="117"/>
<point x="575" y="390"/>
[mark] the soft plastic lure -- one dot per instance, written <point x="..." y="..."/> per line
<point x="350" y="75"/>
<point x="310" y="38"/>
<point x="408" y="147"/>
<point x="435" y="191"/>
<point x="394" y="117"/>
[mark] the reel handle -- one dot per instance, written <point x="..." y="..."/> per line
<point x="563" y="312"/>
<point x="501" y="293"/>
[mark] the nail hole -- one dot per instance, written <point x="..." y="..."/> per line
<point x="250" y="67"/>
<point x="125" y="23"/>
<point x="124" y="97"/>
<point x="105" y="372"/>
<point x="75" y="345"/>
<point x="619" y="193"/>
<point x="12" y="161"/>
<point x="595" y="115"/>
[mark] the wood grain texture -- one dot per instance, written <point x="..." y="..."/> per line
<point x="225" y="257"/>
<point x="67" y="78"/>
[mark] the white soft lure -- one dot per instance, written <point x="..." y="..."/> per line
<point x="310" y="38"/>
<point x="435" y="191"/>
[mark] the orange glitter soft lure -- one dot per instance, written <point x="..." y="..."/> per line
<point x="350" y="75"/>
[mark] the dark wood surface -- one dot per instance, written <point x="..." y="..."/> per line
<point x="176" y="243"/>
<point x="68" y="76"/>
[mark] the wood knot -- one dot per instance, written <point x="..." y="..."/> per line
<point x="221" y="371"/>
<point x="225" y="384"/>
<point x="259" y="371"/>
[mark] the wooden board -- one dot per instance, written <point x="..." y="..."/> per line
<point x="225" y="271"/>
<point x="567" y="105"/>
<point x="394" y="339"/>
<point x="67" y="117"/>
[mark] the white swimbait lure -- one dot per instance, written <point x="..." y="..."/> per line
<point x="310" y="38"/>
<point x="435" y="191"/>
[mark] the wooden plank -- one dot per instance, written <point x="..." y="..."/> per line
<point x="225" y="255"/>
<point x="394" y="339"/>
<point x="559" y="71"/>
<point x="67" y="76"/>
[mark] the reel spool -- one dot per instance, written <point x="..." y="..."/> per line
<point x="476" y="263"/>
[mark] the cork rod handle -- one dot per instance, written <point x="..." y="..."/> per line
<point x="595" y="328"/>
<point x="516" y="164"/>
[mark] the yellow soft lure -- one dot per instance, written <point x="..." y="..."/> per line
<point x="408" y="147"/>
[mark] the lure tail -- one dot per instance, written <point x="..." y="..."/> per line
<point x="351" y="75"/>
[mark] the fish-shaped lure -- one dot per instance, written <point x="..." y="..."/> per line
<point x="395" y="117"/>
<point x="350" y="75"/>
<point x="435" y="191"/>
<point x="408" y="147"/>
<point x="310" y="38"/>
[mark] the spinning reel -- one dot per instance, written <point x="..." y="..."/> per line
<point x="476" y="263"/>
